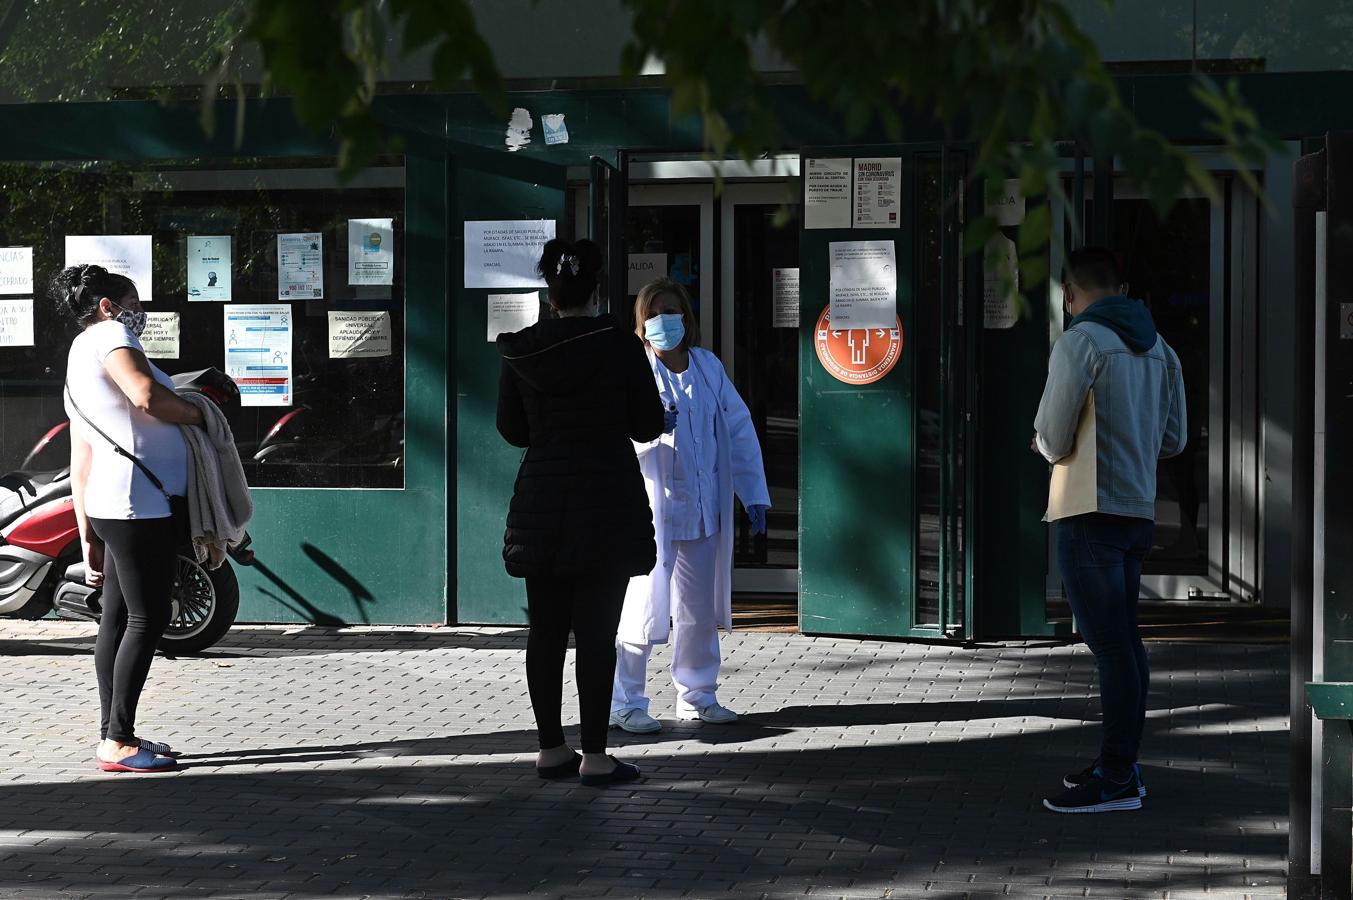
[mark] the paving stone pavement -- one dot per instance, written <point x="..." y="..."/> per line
<point x="397" y="763"/>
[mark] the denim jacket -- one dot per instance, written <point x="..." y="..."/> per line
<point x="1113" y="406"/>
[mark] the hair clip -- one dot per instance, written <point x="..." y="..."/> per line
<point x="567" y="259"/>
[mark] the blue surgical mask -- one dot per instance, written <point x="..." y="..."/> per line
<point x="135" y="320"/>
<point x="665" y="332"/>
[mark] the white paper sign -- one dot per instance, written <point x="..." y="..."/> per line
<point x="645" y="267"/>
<point x="16" y="270"/>
<point x="371" y="251"/>
<point x="512" y="312"/>
<point x="258" y="352"/>
<point x="878" y="192"/>
<point x="16" y="323"/>
<point x="209" y="267"/>
<point x="785" y="291"/>
<point x="123" y="254"/>
<point x="1000" y="283"/>
<point x="863" y="290"/>
<point x="300" y="266"/>
<point x="826" y="193"/>
<point x="503" y="254"/>
<point x="358" y="334"/>
<point x="161" y="337"/>
<point x="1008" y="210"/>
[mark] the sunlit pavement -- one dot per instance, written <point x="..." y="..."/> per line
<point x="398" y="763"/>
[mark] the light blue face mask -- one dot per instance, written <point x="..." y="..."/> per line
<point x="665" y="332"/>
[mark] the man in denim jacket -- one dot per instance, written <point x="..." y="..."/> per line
<point x="1112" y="407"/>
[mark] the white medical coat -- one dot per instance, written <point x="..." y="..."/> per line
<point x="648" y="603"/>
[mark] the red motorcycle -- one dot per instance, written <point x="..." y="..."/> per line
<point x="41" y="566"/>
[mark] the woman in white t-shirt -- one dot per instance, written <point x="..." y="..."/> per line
<point x="129" y="528"/>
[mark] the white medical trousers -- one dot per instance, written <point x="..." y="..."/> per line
<point x="695" y="635"/>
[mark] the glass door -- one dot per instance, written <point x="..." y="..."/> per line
<point x="759" y="267"/>
<point x="669" y="232"/>
<point x="1197" y="271"/>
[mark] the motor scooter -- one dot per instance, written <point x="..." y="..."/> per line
<point x="41" y="564"/>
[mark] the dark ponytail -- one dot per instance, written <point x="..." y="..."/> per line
<point x="571" y="270"/>
<point x="77" y="290"/>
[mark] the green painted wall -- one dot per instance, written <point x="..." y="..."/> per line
<point x="488" y="186"/>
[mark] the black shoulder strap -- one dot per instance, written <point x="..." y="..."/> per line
<point x="145" y="470"/>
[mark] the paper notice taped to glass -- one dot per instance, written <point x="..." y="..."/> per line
<point x="258" y="352"/>
<point x="512" y="312"/>
<point x="16" y="322"/>
<point x="503" y="254"/>
<point x="785" y="298"/>
<point x="300" y="266"/>
<point x="371" y="251"/>
<point x="826" y="193"/>
<point x="209" y="267"/>
<point x="863" y="288"/>
<point x="1000" y="283"/>
<point x="16" y="270"/>
<point x="122" y="254"/>
<point x="161" y="337"/>
<point x="355" y="334"/>
<point x="878" y="192"/>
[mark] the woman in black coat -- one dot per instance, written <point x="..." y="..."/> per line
<point x="576" y="391"/>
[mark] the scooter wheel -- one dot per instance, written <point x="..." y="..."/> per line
<point x="205" y="604"/>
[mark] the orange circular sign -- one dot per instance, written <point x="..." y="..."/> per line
<point x="857" y="355"/>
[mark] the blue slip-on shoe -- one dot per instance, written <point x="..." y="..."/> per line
<point x="142" y="761"/>
<point x="1094" y="770"/>
<point x="1097" y="795"/>
<point x="563" y="770"/>
<point x="621" y="774"/>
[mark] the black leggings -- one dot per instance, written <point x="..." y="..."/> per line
<point x="138" y="579"/>
<point x="590" y="608"/>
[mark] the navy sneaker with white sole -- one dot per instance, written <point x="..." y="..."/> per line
<point x="1098" y="795"/>
<point x="1094" y="770"/>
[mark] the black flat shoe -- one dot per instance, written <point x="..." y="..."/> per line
<point x="563" y="770"/>
<point x="622" y="773"/>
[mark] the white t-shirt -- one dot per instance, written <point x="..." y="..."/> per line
<point x="117" y="489"/>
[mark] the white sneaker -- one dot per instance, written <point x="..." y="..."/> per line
<point x="635" y="721"/>
<point x="714" y="714"/>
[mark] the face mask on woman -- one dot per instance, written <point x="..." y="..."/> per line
<point x="666" y="331"/>
<point x="135" y="320"/>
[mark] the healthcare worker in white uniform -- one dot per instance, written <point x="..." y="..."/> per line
<point x="692" y="475"/>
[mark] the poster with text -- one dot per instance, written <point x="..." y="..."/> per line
<point x="209" y="267"/>
<point x="124" y="254"/>
<point x="785" y="297"/>
<point x="878" y="192"/>
<point x="503" y="254"/>
<point x="826" y="193"/>
<point x="645" y="267"/>
<point x="1000" y="283"/>
<point x="371" y="251"/>
<point x="358" y="334"/>
<point x="300" y="266"/>
<point x="512" y="312"/>
<point x="863" y="289"/>
<point x="258" y="352"/>
<point x="16" y="323"/>
<point x="16" y="270"/>
<point x="161" y="337"/>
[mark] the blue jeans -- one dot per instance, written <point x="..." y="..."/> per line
<point x="1100" y="557"/>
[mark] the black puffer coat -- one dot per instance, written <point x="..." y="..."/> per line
<point x="574" y="392"/>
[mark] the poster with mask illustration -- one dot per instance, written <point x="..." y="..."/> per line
<point x="209" y="267"/>
<point x="371" y="251"/>
<point x="258" y="351"/>
<point x="122" y="254"/>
